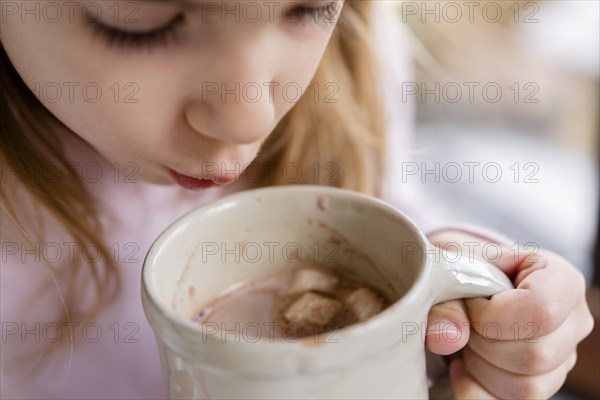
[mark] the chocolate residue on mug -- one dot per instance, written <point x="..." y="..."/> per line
<point x="323" y="202"/>
<point x="337" y="239"/>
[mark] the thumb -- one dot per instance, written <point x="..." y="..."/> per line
<point x="447" y="327"/>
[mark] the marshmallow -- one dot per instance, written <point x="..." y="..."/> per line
<point x="313" y="309"/>
<point x="308" y="279"/>
<point x="364" y="303"/>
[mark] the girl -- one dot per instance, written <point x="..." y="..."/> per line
<point x="118" y="117"/>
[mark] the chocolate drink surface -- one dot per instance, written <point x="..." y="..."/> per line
<point x="308" y="299"/>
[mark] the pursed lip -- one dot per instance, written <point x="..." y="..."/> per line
<point x="203" y="181"/>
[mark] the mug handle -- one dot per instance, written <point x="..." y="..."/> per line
<point x="458" y="276"/>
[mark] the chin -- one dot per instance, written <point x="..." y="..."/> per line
<point x="152" y="175"/>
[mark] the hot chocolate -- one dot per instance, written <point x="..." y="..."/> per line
<point x="309" y="299"/>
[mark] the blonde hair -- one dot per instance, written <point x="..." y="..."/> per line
<point x="345" y="135"/>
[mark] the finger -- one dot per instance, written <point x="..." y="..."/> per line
<point x="534" y="356"/>
<point x="546" y="294"/>
<point x="475" y="247"/>
<point x="507" y="385"/>
<point x="447" y="327"/>
<point x="463" y="384"/>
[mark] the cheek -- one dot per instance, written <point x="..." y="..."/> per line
<point x="112" y="112"/>
<point x="133" y="109"/>
<point x="296" y="78"/>
<point x="109" y="98"/>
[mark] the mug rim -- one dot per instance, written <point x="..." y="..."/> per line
<point x="355" y="330"/>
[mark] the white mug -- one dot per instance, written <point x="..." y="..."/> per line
<point x="249" y="235"/>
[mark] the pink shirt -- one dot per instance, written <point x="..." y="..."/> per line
<point x="115" y="356"/>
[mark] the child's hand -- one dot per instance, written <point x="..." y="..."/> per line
<point x="522" y="342"/>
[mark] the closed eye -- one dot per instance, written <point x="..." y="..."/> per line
<point x="140" y="39"/>
<point x="304" y="13"/>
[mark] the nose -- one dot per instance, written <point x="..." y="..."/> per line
<point x="234" y="104"/>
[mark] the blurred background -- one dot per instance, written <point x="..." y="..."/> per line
<point x="511" y="87"/>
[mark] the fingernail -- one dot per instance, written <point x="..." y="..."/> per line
<point x="446" y="328"/>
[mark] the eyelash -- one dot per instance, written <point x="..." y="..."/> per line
<point x="164" y="34"/>
<point x="159" y="36"/>
<point x="303" y="14"/>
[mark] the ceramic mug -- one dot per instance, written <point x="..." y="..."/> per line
<point x="252" y="234"/>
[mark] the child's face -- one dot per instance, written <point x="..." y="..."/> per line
<point x="202" y="91"/>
